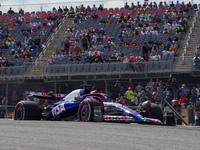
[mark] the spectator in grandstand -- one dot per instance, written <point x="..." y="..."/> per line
<point x="165" y="31"/>
<point x="12" y="29"/>
<point x="191" y="114"/>
<point x="18" y="44"/>
<point x="51" y="61"/>
<point x="139" y="87"/>
<point x="197" y="51"/>
<point x="129" y="94"/>
<point x="44" y="23"/>
<point x="38" y="15"/>
<point x="50" y="24"/>
<point x="88" y="59"/>
<point x="142" y="63"/>
<point x="37" y="41"/>
<point x="28" y="30"/>
<point x="126" y="6"/>
<point x="54" y="10"/>
<point x="196" y="62"/>
<point x="177" y="106"/>
<point x="49" y="17"/>
<point x="135" y="43"/>
<point x="171" y="52"/>
<point x="122" y="24"/>
<point x="165" y="4"/>
<point x="102" y="21"/>
<point x="100" y="7"/>
<point x="14" y="98"/>
<point x="75" y="20"/>
<point x="21" y="55"/>
<point x="34" y="47"/>
<point x="126" y="59"/>
<point x="77" y="58"/>
<point x="33" y="15"/>
<point x="151" y="57"/>
<point x="60" y="9"/>
<point x="11" y="23"/>
<point x="138" y="58"/>
<point x="148" y="89"/>
<point x="157" y="57"/>
<point x="72" y="49"/>
<point x="194" y="95"/>
<point x="125" y="33"/>
<point x="22" y="29"/>
<point x="134" y="100"/>
<point x="109" y="21"/>
<point x="54" y="56"/>
<point x="117" y="88"/>
<point x="154" y="49"/>
<point x="65" y="10"/>
<point x="11" y="44"/>
<point x="175" y="88"/>
<point x="141" y="96"/>
<point x="85" y="42"/>
<point x="71" y="11"/>
<point x="184" y="91"/>
<point x="94" y="8"/>
<point x="10" y="38"/>
<point x="44" y="32"/>
<point x="126" y="42"/>
<point x="10" y="11"/>
<point x="34" y="29"/>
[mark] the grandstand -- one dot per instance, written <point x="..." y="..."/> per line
<point x="55" y="40"/>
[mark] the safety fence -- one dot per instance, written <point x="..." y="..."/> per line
<point x="78" y="70"/>
<point x="13" y="91"/>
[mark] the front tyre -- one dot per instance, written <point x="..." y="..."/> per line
<point x="90" y="110"/>
<point x="151" y="110"/>
<point x="85" y="112"/>
<point x="27" y="110"/>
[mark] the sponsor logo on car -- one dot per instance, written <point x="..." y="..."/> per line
<point x="58" y="110"/>
<point x="115" y="117"/>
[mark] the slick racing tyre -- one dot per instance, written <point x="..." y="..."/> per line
<point x="152" y="110"/>
<point x="27" y="110"/>
<point x="90" y="110"/>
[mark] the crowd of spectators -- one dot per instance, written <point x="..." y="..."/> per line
<point x="196" y="59"/>
<point x="180" y="97"/>
<point x="22" y="37"/>
<point x="89" y="44"/>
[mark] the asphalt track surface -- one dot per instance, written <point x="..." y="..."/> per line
<point x="62" y="135"/>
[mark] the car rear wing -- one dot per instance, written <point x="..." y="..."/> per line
<point x="44" y="95"/>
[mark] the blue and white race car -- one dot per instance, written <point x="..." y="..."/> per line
<point x="85" y="105"/>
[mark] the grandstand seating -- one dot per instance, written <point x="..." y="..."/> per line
<point x="20" y="63"/>
<point x="113" y="30"/>
<point x="27" y="15"/>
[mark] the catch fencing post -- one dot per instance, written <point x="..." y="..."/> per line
<point x="161" y="84"/>
<point x="6" y="97"/>
<point x="106" y="86"/>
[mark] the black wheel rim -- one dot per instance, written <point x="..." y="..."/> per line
<point x="19" y="113"/>
<point x="84" y="113"/>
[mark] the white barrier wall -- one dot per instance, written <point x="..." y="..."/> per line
<point x="46" y="5"/>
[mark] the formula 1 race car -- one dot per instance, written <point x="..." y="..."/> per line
<point x="86" y="105"/>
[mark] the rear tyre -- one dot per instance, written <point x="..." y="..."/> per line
<point x="27" y="110"/>
<point x="90" y="110"/>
